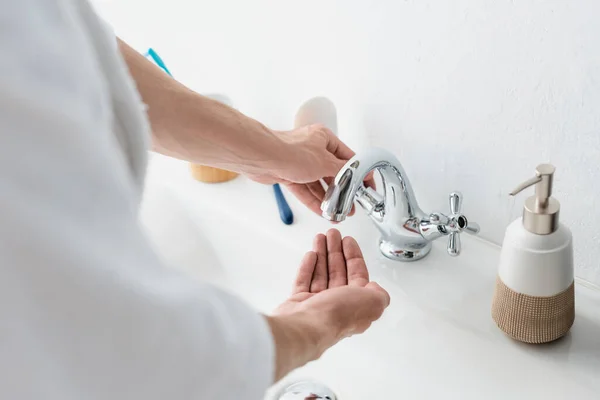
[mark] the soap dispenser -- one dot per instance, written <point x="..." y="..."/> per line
<point x="534" y="298"/>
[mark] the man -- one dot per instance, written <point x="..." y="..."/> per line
<point x="86" y="308"/>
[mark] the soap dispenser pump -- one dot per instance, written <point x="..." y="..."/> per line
<point x="534" y="299"/>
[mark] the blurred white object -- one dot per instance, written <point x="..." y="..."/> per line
<point x="318" y="110"/>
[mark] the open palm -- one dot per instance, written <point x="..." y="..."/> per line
<point x="333" y="285"/>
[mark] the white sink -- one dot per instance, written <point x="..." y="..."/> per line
<point x="436" y="340"/>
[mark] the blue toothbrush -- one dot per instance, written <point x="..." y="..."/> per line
<point x="285" y="212"/>
<point x="157" y="60"/>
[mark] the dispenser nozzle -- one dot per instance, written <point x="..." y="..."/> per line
<point x="540" y="214"/>
<point x="525" y="185"/>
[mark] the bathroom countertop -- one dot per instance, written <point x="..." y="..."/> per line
<point x="436" y="340"/>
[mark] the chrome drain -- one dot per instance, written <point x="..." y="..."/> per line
<point x="306" y="390"/>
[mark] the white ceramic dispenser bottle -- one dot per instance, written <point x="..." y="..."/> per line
<point x="534" y="299"/>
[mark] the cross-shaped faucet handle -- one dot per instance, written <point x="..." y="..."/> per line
<point x="454" y="224"/>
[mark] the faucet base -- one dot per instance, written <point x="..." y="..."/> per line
<point x="398" y="253"/>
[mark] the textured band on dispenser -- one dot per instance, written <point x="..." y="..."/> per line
<point x="533" y="319"/>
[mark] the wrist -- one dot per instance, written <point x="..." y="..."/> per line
<point x="273" y="155"/>
<point x="298" y="340"/>
<point x="282" y="158"/>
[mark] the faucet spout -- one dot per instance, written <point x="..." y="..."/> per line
<point x="340" y="195"/>
<point x="348" y="185"/>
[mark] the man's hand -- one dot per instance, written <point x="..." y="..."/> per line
<point x="315" y="153"/>
<point x="332" y="299"/>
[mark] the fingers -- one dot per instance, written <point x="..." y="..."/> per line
<point x="357" y="272"/>
<point x="336" y="264"/>
<point x="317" y="190"/>
<point x="332" y="165"/>
<point x="319" y="277"/>
<point x="306" y="197"/>
<point x="332" y="263"/>
<point x="338" y="148"/>
<point x="305" y="273"/>
<point x="340" y="154"/>
<point x="370" y="180"/>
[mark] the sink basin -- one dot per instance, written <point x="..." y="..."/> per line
<point x="437" y="338"/>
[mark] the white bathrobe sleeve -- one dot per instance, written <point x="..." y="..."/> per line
<point x="87" y="311"/>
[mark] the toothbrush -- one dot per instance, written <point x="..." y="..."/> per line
<point x="157" y="60"/>
<point x="285" y="212"/>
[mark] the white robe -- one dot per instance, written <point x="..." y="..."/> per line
<point x="87" y="311"/>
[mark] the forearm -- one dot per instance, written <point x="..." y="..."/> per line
<point x="192" y="127"/>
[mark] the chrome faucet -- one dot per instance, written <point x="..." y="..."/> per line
<point x="406" y="231"/>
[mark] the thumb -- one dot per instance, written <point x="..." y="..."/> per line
<point x="384" y="296"/>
